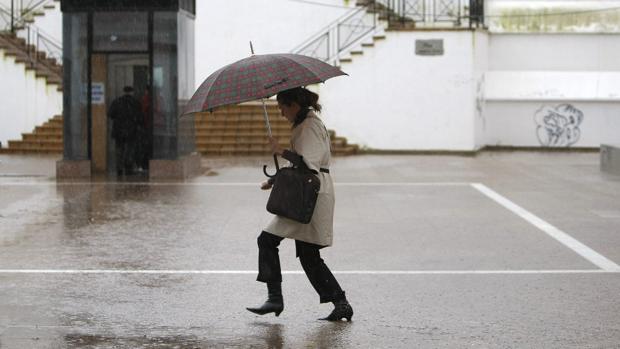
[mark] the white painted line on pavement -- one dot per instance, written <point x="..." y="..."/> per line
<point x="398" y="184"/>
<point x="229" y="184"/>
<point x="350" y="272"/>
<point x="567" y="240"/>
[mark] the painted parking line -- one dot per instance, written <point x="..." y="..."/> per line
<point x="300" y="272"/>
<point x="594" y="257"/>
<point x="229" y="184"/>
<point x="567" y="240"/>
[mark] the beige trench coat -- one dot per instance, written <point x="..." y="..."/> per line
<point x="310" y="139"/>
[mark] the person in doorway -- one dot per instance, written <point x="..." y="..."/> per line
<point x="126" y="114"/>
<point x="309" y="143"/>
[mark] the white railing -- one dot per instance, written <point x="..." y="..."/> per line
<point x="339" y="36"/>
<point x="16" y="14"/>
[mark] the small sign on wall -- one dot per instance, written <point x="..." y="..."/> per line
<point x="432" y="47"/>
<point x="97" y="93"/>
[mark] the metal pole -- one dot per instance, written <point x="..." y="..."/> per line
<point x="275" y="157"/>
<point x="12" y="16"/>
<point x="263" y="101"/>
<point x="266" y="117"/>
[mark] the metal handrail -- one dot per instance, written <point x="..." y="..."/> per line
<point x="42" y="41"/>
<point x="35" y="38"/>
<point x="52" y="47"/>
<point x="332" y="36"/>
<point x="417" y="11"/>
<point x="325" y="29"/>
<point x="19" y="11"/>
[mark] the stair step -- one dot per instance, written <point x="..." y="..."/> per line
<point x="38" y="61"/>
<point x="221" y="134"/>
<point x="47" y="128"/>
<point x="242" y="117"/>
<point x="240" y="125"/>
<point x="37" y="142"/>
<point x="37" y="136"/>
<point x="29" y="151"/>
<point x="241" y="134"/>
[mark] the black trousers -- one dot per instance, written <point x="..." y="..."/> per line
<point x="124" y="155"/>
<point x="317" y="272"/>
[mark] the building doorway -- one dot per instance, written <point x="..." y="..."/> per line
<point x="112" y="73"/>
<point x="110" y="44"/>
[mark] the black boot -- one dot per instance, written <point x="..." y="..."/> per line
<point x="342" y="309"/>
<point x="274" y="303"/>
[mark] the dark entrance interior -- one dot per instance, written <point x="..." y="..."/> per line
<point x="130" y="70"/>
<point x="108" y="45"/>
<point x="111" y="73"/>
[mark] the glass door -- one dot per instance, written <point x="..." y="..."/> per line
<point x="121" y="127"/>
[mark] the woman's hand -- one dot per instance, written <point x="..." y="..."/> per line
<point x="275" y="146"/>
<point x="266" y="185"/>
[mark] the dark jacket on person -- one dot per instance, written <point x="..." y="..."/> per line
<point x="126" y="112"/>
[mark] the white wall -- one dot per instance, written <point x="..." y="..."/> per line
<point x="516" y="123"/>
<point x="532" y="79"/>
<point x="485" y="89"/>
<point x="224" y="28"/>
<point x="27" y="101"/>
<point x="481" y="65"/>
<point x="395" y="99"/>
<point x="554" y="52"/>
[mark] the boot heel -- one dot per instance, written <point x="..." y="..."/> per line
<point x="274" y="303"/>
<point x="342" y="310"/>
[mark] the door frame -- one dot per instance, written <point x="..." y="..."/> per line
<point x="91" y="53"/>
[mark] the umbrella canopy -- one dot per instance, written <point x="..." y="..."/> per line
<point x="258" y="76"/>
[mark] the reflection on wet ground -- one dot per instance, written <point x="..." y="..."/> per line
<point x="92" y="341"/>
<point x="50" y="232"/>
<point x="263" y="335"/>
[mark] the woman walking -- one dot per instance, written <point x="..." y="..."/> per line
<point x="309" y="143"/>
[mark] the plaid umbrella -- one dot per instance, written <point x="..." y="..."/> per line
<point x="259" y="77"/>
<point x="256" y="77"/>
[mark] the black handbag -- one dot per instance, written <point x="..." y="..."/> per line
<point x="294" y="192"/>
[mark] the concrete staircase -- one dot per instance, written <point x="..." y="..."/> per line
<point x="38" y="61"/>
<point x="45" y="139"/>
<point x="234" y="130"/>
<point x="240" y="130"/>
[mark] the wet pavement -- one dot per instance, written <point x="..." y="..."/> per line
<point x="500" y="250"/>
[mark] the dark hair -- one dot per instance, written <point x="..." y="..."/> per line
<point x="303" y="97"/>
<point x="127" y="89"/>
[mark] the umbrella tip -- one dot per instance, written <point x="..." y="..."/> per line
<point x="251" y="47"/>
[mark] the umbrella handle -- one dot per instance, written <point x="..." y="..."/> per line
<point x="275" y="159"/>
<point x="267" y="174"/>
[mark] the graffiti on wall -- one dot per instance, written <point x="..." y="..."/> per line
<point x="558" y="126"/>
<point x="480" y="101"/>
